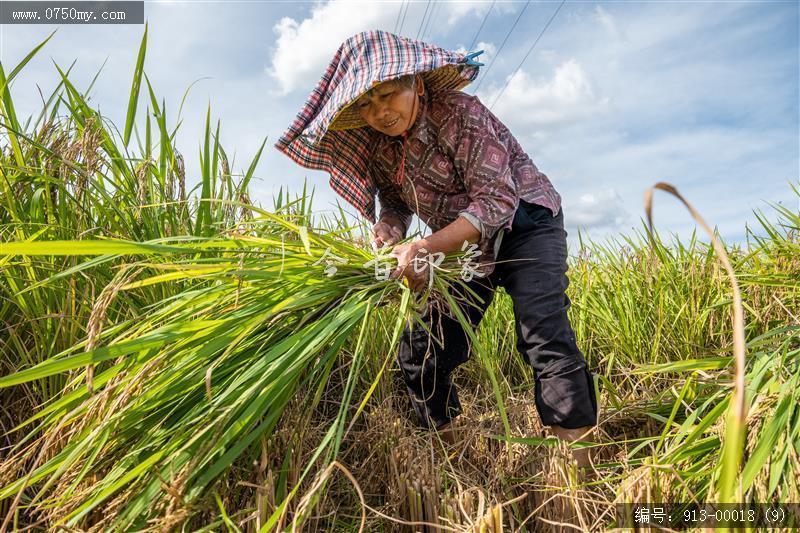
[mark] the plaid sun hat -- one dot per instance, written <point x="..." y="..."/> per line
<point x="328" y="133"/>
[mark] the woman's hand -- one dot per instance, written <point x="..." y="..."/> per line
<point x="385" y="233"/>
<point x="451" y="238"/>
<point x="406" y="254"/>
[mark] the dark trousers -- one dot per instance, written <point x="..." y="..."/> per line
<point x="531" y="266"/>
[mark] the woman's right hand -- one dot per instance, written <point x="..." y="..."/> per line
<point x="385" y="233"/>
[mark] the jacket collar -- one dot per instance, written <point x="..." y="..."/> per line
<point x="419" y="130"/>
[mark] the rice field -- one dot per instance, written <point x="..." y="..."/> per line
<point x="175" y="358"/>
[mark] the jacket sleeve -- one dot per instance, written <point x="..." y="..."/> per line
<point x="484" y="163"/>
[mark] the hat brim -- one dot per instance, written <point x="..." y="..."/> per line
<point x="443" y="79"/>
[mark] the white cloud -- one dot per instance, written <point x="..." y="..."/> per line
<point x="609" y="23"/>
<point x="489" y="49"/>
<point x="598" y="209"/>
<point x="303" y="49"/>
<point x="458" y="10"/>
<point x="568" y="95"/>
<point x="548" y="56"/>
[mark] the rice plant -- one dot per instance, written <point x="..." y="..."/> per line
<point x="69" y="175"/>
<point x="175" y="358"/>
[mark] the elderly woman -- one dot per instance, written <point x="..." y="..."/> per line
<point x="388" y="118"/>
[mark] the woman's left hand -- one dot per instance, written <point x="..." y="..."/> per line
<point x="406" y="254"/>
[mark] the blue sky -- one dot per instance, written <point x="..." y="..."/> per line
<point x="614" y="97"/>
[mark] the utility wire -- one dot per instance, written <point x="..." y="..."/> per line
<point x="494" y="60"/>
<point x="424" y="16"/>
<point x="402" y="22"/>
<point x="508" y="80"/>
<point x="477" y="33"/>
<point x="434" y="11"/>
<point x="397" y="22"/>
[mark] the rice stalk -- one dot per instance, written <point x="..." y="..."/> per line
<point x="736" y="423"/>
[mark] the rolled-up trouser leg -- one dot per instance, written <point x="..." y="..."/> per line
<point x="533" y="272"/>
<point x="428" y="359"/>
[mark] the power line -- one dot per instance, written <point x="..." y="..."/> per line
<point x="434" y="11"/>
<point x="494" y="60"/>
<point x="486" y="16"/>
<point x="396" y="22"/>
<point x="402" y="22"/>
<point x="424" y="16"/>
<point x="426" y="22"/>
<point x="508" y="80"/>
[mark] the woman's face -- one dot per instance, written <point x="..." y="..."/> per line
<point x="391" y="108"/>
